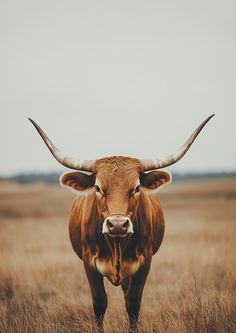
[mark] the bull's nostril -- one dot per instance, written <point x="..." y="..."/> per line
<point x="126" y="224"/>
<point x="109" y="224"/>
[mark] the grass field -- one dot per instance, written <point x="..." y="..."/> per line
<point x="191" y="286"/>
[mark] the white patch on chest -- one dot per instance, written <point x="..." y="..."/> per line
<point x="117" y="272"/>
<point x="102" y="266"/>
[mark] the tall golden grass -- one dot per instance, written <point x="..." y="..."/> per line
<point x="191" y="286"/>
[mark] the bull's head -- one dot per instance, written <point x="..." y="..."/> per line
<point x="117" y="181"/>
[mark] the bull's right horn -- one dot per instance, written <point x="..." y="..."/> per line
<point x="173" y="158"/>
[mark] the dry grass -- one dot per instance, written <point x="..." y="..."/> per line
<point x="191" y="286"/>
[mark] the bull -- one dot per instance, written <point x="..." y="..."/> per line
<point x="116" y="223"/>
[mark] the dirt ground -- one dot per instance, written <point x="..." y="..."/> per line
<point x="191" y="286"/>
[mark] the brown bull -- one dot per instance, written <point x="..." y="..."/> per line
<point x="117" y="224"/>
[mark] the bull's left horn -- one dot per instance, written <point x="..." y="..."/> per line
<point x="84" y="165"/>
<point x="173" y="158"/>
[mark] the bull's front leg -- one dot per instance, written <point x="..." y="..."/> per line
<point x="133" y="295"/>
<point x="98" y="294"/>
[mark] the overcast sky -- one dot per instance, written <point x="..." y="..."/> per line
<point x="131" y="78"/>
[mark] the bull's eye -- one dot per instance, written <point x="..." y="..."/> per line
<point x="97" y="189"/>
<point x="137" y="189"/>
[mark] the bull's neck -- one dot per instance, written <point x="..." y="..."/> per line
<point x="117" y="247"/>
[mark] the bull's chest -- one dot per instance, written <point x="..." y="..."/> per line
<point x="117" y="269"/>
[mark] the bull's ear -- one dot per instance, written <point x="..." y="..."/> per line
<point x="154" y="179"/>
<point x="78" y="181"/>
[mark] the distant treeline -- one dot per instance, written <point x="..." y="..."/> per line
<point x="54" y="177"/>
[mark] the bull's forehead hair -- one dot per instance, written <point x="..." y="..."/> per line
<point x="119" y="165"/>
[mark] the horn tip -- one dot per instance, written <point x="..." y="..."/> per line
<point x="32" y="122"/>
<point x="208" y="118"/>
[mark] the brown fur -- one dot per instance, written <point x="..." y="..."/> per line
<point x="124" y="261"/>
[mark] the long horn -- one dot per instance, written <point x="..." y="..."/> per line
<point x="173" y="158"/>
<point x="84" y="165"/>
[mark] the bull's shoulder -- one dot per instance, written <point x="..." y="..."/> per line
<point x="152" y="217"/>
<point x="75" y="220"/>
<point x="81" y="223"/>
<point x="158" y="223"/>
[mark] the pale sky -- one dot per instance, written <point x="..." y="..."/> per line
<point x="131" y="78"/>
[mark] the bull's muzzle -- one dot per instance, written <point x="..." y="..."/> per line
<point x="117" y="226"/>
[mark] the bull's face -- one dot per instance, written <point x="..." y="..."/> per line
<point x="117" y="183"/>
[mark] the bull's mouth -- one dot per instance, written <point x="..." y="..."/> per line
<point x="117" y="226"/>
<point x="118" y="235"/>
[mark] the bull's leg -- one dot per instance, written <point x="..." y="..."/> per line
<point x="133" y="296"/>
<point x="125" y="286"/>
<point x="98" y="294"/>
